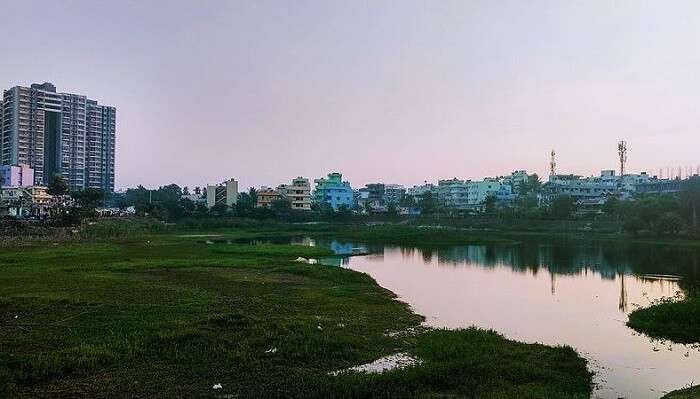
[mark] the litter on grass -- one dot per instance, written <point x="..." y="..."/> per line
<point x="387" y="363"/>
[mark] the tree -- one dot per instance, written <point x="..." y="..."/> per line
<point x="490" y="204"/>
<point x="392" y="210"/>
<point x="200" y="208"/>
<point x="138" y="196"/>
<point x="253" y="193"/>
<point x="525" y="204"/>
<point x="219" y="209"/>
<point x="611" y="206"/>
<point x="343" y="213"/>
<point x="651" y="214"/>
<point x="407" y="201"/>
<point x="170" y="193"/>
<point x="533" y="184"/>
<point x="669" y="223"/>
<point x="323" y="207"/>
<point x="690" y="202"/>
<point x="88" y="200"/>
<point x="427" y="203"/>
<point x="562" y="207"/>
<point x="58" y="186"/>
<point x="282" y="206"/>
<point x="246" y="203"/>
<point x="634" y="225"/>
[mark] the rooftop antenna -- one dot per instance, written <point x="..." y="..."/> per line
<point x="622" y="152"/>
<point x="552" y="163"/>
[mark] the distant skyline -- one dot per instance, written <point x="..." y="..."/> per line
<point x="400" y="92"/>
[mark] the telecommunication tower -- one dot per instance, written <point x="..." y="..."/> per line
<point x="552" y="163"/>
<point x="622" y="152"/>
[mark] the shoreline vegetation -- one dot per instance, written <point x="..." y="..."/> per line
<point x="407" y="231"/>
<point x="688" y="393"/>
<point x="137" y="310"/>
<point x="675" y="320"/>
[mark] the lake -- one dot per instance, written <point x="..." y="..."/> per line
<point x="554" y="293"/>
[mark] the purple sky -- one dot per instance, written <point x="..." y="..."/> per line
<point x="399" y="92"/>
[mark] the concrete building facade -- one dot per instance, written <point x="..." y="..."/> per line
<point x="225" y="193"/>
<point x="393" y="193"/>
<point x="21" y="202"/>
<point x="266" y="196"/>
<point x="298" y="193"/>
<point x="332" y="190"/>
<point x="453" y="193"/>
<point x="58" y="134"/>
<point x="419" y="191"/>
<point x="606" y="185"/>
<point x="16" y="176"/>
<point x="479" y="191"/>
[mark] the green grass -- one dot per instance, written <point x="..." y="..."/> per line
<point x="160" y="315"/>
<point x="688" y="393"/>
<point x="678" y="321"/>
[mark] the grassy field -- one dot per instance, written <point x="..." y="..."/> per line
<point x="678" y="321"/>
<point x="171" y="315"/>
<point x="688" y="393"/>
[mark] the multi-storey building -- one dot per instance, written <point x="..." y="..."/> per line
<point x="393" y="193"/>
<point x="479" y="191"/>
<point x="516" y="179"/>
<point x="333" y="191"/>
<point x="222" y="194"/>
<point x="381" y="194"/>
<point x="16" y="176"/>
<point x="661" y="186"/>
<point x="467" y="195"/>
<point x="453" y="193"/>
<point x="298" y="193"/>
<point x="58" y="134"/>
<point x="266" y="196"/>
<point x="418" y="192"/>
<point x="373" y="193"/>
<point x="603" y="186"/>
<point x="31" y="201"/>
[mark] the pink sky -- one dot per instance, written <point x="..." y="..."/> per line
<point x="399" y="92"/>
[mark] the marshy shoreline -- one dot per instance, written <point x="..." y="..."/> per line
<point x="117" y="309"/>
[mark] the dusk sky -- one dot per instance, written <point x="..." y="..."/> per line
<point x="392" y="91"/>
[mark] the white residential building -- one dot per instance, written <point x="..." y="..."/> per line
<point x="478" y="191"/>
<point x="516" y="179"/>
<point x="298" y="193"/>
<point x="453" y="193"/>
<point x="225" y="193"/>
<point x="393" y="193"/>
<point x="605" y="185"/>
<point x="417" y="192"/>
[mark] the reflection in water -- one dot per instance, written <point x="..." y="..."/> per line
<point x="623" y="294"/>
<point x="577" y="295"/>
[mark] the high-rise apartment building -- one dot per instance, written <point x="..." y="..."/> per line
<point x="58" y="134"/>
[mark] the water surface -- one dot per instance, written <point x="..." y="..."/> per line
<point x="573" y="294"/>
